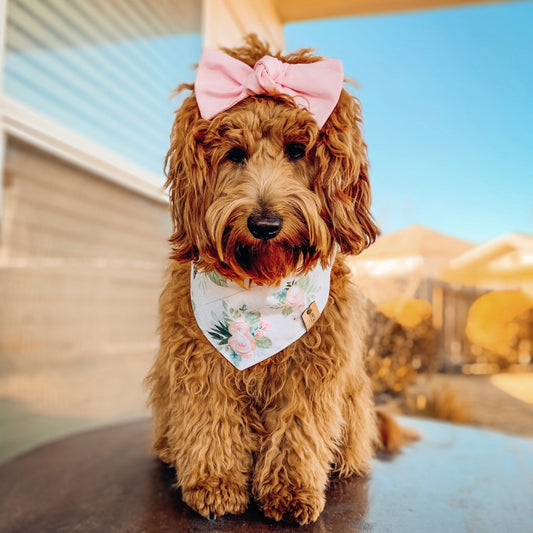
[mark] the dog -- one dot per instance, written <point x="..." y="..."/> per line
<point x="269" y="192"/>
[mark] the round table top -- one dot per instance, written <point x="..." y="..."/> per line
<point x="455" y="479"/>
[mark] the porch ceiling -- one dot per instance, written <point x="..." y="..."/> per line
<point x="298" y="10"/>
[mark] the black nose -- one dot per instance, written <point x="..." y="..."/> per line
<point x="264" y="226"/>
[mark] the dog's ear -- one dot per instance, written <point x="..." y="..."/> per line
<point x="186" y="168"/>
<point x="342" y="177"/>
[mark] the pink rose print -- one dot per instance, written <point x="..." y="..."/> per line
<point x="243" y="345"/>
<point x="295" y="299"/>
<point x="264" y="325"/>
<point x="261" y="328"/>
<point x="239" y="327"/>
<point x="241" y="333"/>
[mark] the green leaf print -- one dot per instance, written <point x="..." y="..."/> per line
<point x="281" y="295"/>
<point x="263" y="342"/>
<point x="217" y="279"/>
<point x="253" y="319"/>
<point x="220" y="332"/>
<point x="286" y="311"/>
<point x="303" y="283"/>
<point x="235" y="359"/>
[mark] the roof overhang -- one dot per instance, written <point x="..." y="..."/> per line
<point x="299" y="10"/>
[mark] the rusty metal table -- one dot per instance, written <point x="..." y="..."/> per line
<point x="456" y="479"/>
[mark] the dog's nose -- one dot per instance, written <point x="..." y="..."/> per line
<point x="264" y="226"/>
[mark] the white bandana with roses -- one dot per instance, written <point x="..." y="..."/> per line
<point x="249" y="325"/>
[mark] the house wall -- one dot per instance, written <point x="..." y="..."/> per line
<point x="81" y="268"/>
<point x="102" y="70"/>
<point x="85" y="256"/>
<point x="85" y="110"/>
<point x="225" y="22"/>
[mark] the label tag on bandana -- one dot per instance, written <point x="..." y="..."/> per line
<point x="310" y="316"/>
<point x="250" y="325"/>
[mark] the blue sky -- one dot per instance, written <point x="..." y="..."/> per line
<point x="448" y="106"/>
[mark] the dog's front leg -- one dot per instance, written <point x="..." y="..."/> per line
<point x="291" y="473"/>
<point x="211" y="448"/>
<point x="203" y="430"/>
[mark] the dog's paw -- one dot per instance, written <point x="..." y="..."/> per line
<point x="300" y="505"/>
<point x="217" y="499"/>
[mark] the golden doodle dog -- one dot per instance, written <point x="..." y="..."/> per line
<point x="259" y="388"/>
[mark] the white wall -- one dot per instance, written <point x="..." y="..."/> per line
<point x="225" y="22"/>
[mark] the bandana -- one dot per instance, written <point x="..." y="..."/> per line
<point x="249" y="325"/>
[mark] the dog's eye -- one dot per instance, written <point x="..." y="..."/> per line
<point x="237" y="154"/>
<point x="295" y="150"/>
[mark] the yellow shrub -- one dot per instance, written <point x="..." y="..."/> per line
<point x="401" y="343"/>
<point x="498" y="322"/>
<point x="407" y="312"/>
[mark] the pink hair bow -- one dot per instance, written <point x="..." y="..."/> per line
<point x="222" y="81"/>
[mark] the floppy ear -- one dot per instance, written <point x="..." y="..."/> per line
<point x="186" y="167"/>
<point x="342" y="177"/>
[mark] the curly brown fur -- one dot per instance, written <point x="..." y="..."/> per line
<point x="277" y="430"/>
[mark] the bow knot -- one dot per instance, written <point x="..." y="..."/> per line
<point x="223" y="81"/>
<point x="266" y="77"/>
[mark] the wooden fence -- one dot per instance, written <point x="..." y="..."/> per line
<point x="451" y="303"/>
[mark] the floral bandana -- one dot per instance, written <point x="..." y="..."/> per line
<point x="250" y="325"/>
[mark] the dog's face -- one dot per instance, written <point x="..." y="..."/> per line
<point x="258" y="192"/>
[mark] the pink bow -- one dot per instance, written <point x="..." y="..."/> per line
<point x="222" y="81"/>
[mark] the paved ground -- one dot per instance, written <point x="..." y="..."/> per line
<point x="49" y="403"/>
